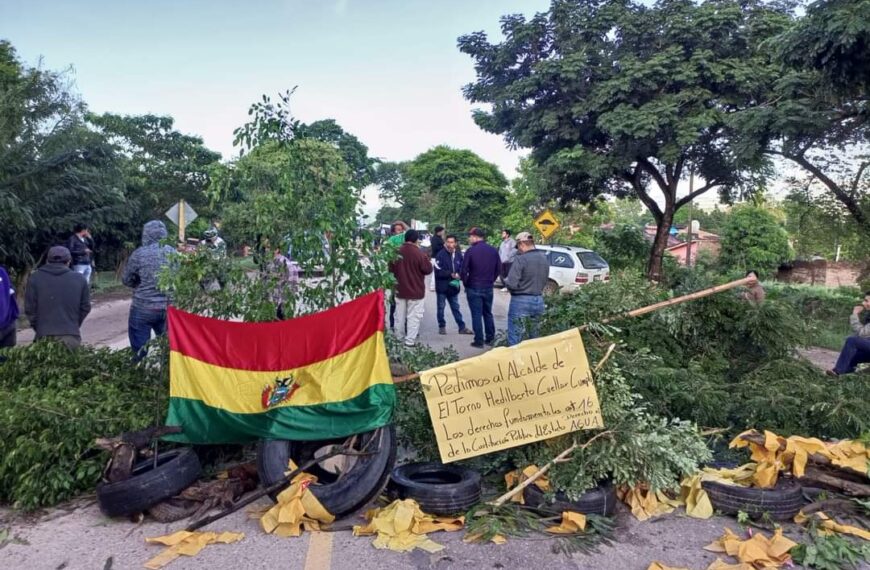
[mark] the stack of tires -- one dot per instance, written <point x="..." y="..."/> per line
<point x="340" y="493"/>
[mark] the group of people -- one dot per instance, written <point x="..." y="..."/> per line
<point x="522" y="268"/>
<point x="57" y="299"/>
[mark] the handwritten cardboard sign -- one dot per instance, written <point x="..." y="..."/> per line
<point x="508" y="397"/>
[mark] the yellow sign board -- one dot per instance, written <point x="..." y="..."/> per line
<point x="512" y="396"/>
<point x="547" y="223"/>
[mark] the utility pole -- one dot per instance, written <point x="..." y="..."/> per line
<point x="689" y="229"/>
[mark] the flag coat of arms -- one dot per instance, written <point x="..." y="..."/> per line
<point x="320" y="376"/>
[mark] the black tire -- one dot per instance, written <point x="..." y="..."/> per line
<point x="176" y="470"/>
<point x="439" y="489"/>
<point x="598" y="501"/>
<point x="551" y="288"/>
<point x="780" y="503"/>
<point x="343" y="495"/>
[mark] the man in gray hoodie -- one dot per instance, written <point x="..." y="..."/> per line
<point x="57" y="299"/>
<point x="148" y="310"/>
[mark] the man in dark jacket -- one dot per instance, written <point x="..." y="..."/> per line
<point x="436" y="244"/>
<point x="448" y="264"/>
<point x="57" y="299"/>
<point x="148" y="310"/>
<point x="81" y="248"/>
<point x="8" y="310"/>
<point x="528" y="275"/>
<point x="410" y="269"/>
<point x="480" y="269"/>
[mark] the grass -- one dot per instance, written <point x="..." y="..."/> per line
<point x="105" y="281"/>
<point x="831" y="336"/>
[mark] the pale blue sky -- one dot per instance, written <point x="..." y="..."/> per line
<point x="387" y="71"/>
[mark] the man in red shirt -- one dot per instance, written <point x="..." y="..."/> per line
<point x="410" y="270"/>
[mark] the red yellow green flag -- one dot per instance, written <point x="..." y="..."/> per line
<point x="319" y="376"/>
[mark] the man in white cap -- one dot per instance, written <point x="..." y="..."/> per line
<point x="526" y="280"/>
<point x="57" y="299"/>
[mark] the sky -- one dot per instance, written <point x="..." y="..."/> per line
<point x="387" y="71"/>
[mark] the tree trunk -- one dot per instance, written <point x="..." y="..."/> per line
<point x="660" y="243"/>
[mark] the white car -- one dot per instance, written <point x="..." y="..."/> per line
<point x="571" y="267"/>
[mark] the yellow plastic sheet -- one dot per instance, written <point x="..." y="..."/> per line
<point x="695" y="498"/>
<point x="184" y="543"/>
<point x="792" y="454"/>
<point x="572" y="523"/>
<point x="297" y="509"/>
<point x="827" y="525"/>
<point x="644" y="503"/>
<point x="659" y="566"/>
<point x="401" y="526"/>
<point x="515" y="477"/>
<point x="758" y="551"/>
<point x="720" y="565"/>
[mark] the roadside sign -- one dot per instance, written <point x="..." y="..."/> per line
<point x="547" y="223"/>
<point x="181" y="206"/>
<point x="181" y="215"/>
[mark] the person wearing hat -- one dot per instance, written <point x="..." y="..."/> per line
<point x="525" y="281"/>
<point x="57" y="299"/>
<point x="480" y="269"/>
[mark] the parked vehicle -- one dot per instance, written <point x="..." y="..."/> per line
<point x="571" y="267"/>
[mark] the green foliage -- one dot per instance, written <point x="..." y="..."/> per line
<point x="718" y="361"/>
<point x="54" y="172"/>
<point x="53" y="404"/>
<point x="354" y="153"/>
<point x="524" y="198"/>
<point x="830" y="552"/>
<point x="618" y="97"/>
<point x="753" y="239"/>
<point x="624" y="247"/>
<point x="819" y="224"/>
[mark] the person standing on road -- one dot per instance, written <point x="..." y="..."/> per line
<point x="8" y="310"/>
<point x="507" y="252"/>
<point x="148" y="309"/>
<point x="436" y="244"/>
<point x="57" y="299"/>
<point x="397" y="239"/>
<point x="856" y="349"/>
<point x="528" y="276"/>
<point x="410" y="270"/>
<point x="81" y="248"/>
<point x="448" y="265"/>
<point x="480" y="269"/>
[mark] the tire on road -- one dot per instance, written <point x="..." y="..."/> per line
<point x="439" y="489"/>
<point x="551" y="288"/>
<point x="176" y="470"/>
<point x="598" y="501"/>
<point x="780" y="503"/>
<point x="341" y="494"/>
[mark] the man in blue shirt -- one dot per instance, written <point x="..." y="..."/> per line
<point x="480" y="269"/>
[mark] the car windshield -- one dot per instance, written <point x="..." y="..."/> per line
<point x="591" y="260"/>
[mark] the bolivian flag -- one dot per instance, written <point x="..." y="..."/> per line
<point x="319" y="376"/>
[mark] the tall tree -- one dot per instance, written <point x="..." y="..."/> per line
<point x="754" y="239"/>
<point x="457" y="188"/>
<point x="616" y="97"/>
<point x="355" y="153"/>
<point x="816" y="113"/>
<point x="160" y="164"/>
<point x="54" y="172"/>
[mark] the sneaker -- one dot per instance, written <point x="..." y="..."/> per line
<point x="464" y="330"/>
<point x="831" y="373"/>
<point x="442" y="330"/>
<point x="409" y="344"/>
<point x="489" y="343"/>
<point x="477" y="345"/>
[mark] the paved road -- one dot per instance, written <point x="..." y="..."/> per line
<point x="107" y="324"/>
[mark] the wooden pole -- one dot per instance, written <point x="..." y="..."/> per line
<point x="641" y="311"/>
<point x="181" y="223"/>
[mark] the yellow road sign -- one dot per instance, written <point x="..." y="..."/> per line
<point x="547" y="223"/>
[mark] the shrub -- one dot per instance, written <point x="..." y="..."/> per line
<point x="53" y="404"/>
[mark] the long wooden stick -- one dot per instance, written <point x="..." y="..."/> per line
<point x="638" y="312"/>
<point x="537" y="474"/>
